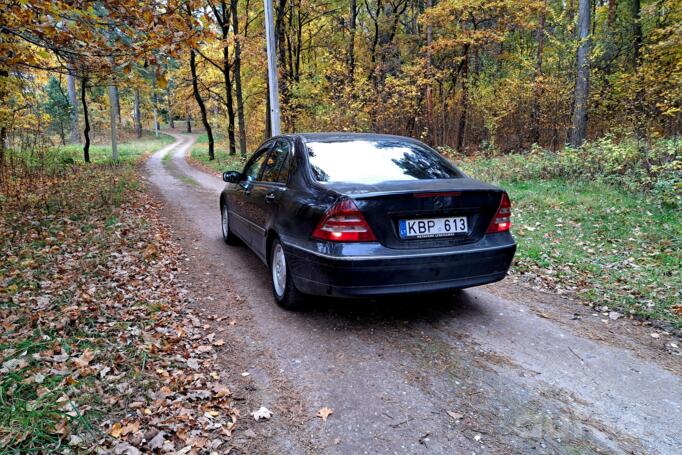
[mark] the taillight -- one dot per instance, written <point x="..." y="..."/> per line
<point x="344" y="223"/>
<point x="502" y="220"/>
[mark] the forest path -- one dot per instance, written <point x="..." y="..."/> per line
<point x="472" y="373"/>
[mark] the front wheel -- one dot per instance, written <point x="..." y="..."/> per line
<point x="286" y="294"/>
<point x="228" y="235"/>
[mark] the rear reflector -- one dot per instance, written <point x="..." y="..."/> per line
<point x="344" y="223"/>
<point x="502" y="220"/>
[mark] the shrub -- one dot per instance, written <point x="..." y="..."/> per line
<point x="656" y="170"/>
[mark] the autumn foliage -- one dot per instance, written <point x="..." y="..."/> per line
<point x="494" y="75"/>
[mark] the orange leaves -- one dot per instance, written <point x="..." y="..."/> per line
<point x="85" y="359"/>
<point x="150" y="252"/>
<point x="118" y="429"/>
<point x="92" y="295"/>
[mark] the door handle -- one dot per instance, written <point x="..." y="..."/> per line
<point x="269" y="197"/>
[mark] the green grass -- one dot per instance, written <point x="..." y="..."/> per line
<point x="127" y="151"/>
<point x="167" y="159"/>
<point x="223" y="161"/>
<point x="189" y="180"/>
<point x="595" y="241"/>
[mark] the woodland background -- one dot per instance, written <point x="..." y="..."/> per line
<point x="496" y="75"/>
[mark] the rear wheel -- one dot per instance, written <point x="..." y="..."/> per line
<point x="286" y="294"/>
<point x="228" y="235"/>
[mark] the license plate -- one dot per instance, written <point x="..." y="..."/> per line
<point x="432" y="227"/>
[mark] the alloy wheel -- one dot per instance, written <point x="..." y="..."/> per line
<point x="279" y="270"/>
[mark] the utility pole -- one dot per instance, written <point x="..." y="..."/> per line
<point x="273" y="86"/>
<point x="112" y="118"/>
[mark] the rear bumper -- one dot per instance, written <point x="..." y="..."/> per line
<point x="385" y="271"/>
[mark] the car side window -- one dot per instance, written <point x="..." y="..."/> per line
<point x="252" y="171"/>
<point x="276" y="168"/>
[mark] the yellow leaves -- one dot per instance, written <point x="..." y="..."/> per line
<point x="162" y="82"/>
<point x="116" y="430"/>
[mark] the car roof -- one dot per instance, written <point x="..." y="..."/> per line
<point x="341" y="136"/>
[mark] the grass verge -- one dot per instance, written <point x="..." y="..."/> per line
<point x="594" y="241"/>
<point x="129" y="151"/>
<point x="222" y="162"/>
<point x="97" y="350"/>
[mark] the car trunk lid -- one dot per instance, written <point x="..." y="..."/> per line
<point x="384" y="205"/>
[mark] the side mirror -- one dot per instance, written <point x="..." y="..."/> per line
<point x="232" y="176"/>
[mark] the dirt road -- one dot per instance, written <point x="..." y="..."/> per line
<point x="477" y="373"/>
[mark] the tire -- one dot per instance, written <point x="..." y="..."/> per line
<point x="228" y="236"/>
<point x="283" y="288"/>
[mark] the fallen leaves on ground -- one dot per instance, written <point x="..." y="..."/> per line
<point x="324" y="412"/>
<point x="99" y="350"/>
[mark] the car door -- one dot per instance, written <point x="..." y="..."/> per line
<point x="268" y="190"/>
<point x="242" y="205"/>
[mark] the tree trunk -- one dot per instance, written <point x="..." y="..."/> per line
<point x="229" y="103"/>
<point x="465" y="102"/>
<point x="238" y="78"/>
<point x="200" y="102"/>
<point x="73" y="99"/>
<point x="534" y="136"/>
<point x="157" y="127"/>
<point x="351" y="39"/>
<point x="3" y="144"/>
<point x="582" y="83"/>
<point x="283" y="79"/>
<point x="189" y="123"/>
<point x="62" y="135"/>
<point x="640" y="130"/>
<point x="137" y="114"/>
<point x="375" y="41"/>
<point x="171" y="123"/>
<point x="613" y="6"/>
<point x="86" y="120"/>
<point x="112" y="121"/>
<point x="118" y="106"/>
<point x="3" y="129"/>
<point x="225" y="25"/>
<point x="156" y="118"/>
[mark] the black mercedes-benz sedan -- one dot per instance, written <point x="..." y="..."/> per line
<point x="351" y="215"/>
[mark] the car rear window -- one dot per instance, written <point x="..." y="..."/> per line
<point x="374" y="161"/>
